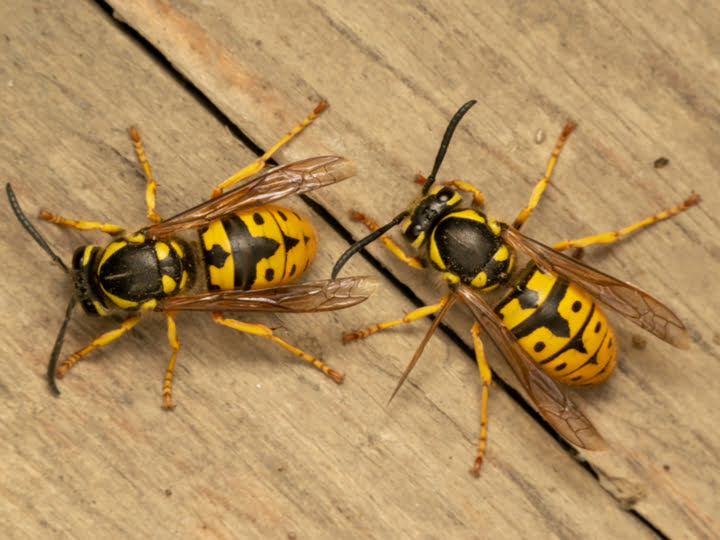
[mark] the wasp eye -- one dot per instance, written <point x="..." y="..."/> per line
<point x="445" y="194"/>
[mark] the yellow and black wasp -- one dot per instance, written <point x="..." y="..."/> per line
<point x="549" y="327"/>
<point x="243" y="258"/>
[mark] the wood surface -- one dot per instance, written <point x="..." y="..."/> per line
<point x="262" y="445"/>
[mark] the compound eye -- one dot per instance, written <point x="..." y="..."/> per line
<point x="445" y="194"/>
<point x="414" y="231"/>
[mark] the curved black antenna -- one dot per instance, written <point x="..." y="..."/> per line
<point x="22" y="218"/>
<point x="357" y="246"/>
<point x="52" y="364"/>
<point x="445" y="142"/>
<point x="30" y="229"/>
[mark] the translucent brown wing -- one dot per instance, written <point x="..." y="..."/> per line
<point x="273" y="185"/>
<point x="297" y="298"/>
<point x="556" y="407"/>
<point x="636" y="305"/>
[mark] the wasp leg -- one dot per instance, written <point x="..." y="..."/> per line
<point x="543" y="182"/>
<point x="393" y="246"/>
<point x="486" y="378"/>
<point x="612" y="236"/>
<point x="96" y="343"/>
<point x="80" y="224"/>
<point x="257" y="165"/>
<point x="151" y="185"/>
<point x="410" y="317"/>
<point x="266" y="332"/>
<point x="175" y="346"/>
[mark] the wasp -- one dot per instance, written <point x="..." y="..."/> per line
<point x="243" y="257"/>
<point x="550" y="326"/>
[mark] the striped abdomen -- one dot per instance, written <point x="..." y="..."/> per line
<point x="258" y="248"/>
<point x="561" y="327"/>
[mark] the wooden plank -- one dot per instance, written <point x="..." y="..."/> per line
<point x="246" y="459"/>
<point x="637" y="79"/>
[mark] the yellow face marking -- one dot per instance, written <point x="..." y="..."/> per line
<point x="162" y="250"/>
<point x="455" y="199"/>
<point x="86" y="255"/>
<point x="419" y="240"/>
<point x="169" y="284"/>
<point x="451" y="278"/>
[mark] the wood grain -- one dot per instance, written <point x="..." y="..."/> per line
<point x="262" y="445"/>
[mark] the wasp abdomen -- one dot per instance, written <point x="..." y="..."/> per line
<point x="257" y="248"/>
<point x="561" y="327"/>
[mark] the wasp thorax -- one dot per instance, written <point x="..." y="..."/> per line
<point x="468" y="247"/>
<point x="130" y="273"/>
<point x="427" y="212"/>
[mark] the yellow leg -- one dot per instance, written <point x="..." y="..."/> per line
<point x="151" y="185"/>
<point x="486" y="378"/>
<point x="543" y="182"/>
<point x="393" y="246"/>
<point x="264" y="331"/>
<point x="257" y="165"/>
<point x="612" y="236"/>
<point x="96" y="343"/>
<point x="175" y="346"/>
<point x="410" y="317"/>
<point x="80" y="224"/>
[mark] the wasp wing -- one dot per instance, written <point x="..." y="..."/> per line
<point x="554" y="405"/>
<point x="315" y="296"/>
<point x="278" y="183"/>
<point x="636" y="305"/>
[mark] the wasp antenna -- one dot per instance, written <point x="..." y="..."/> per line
<point x="30" y="229"/>
<point x="446" y="141"/>
<point x="357" y="246"/>
<point x="52" y="364"/>
<point x="421" y="347"/>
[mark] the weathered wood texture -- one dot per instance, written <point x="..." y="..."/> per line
<point x="261" y="445"/>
